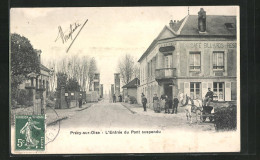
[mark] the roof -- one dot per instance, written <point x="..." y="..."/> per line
<point x="132" y="84"/>
<point x="44" y="68"/>
<point x="188" y="26"/>
<point x="215" y="25"/>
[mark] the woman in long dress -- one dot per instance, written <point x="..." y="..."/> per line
<point x="27" y="130"/>
<point x="156" y="105"/>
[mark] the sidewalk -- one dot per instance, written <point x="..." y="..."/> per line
<point x="138" y="109"/>
<point x="55" y="115"/>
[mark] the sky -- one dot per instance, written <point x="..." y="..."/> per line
<point x="109" y="33"/>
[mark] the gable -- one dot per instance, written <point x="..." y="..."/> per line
<point x="166" y="33"/>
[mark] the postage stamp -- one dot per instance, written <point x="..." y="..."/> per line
<point x="30" y="132"/>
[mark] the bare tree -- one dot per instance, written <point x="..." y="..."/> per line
<point x="81" y="68"/>
<point x="127" y="68"/>
<point x="52" y="81"/>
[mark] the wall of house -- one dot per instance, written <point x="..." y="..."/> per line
<point x="180" y="58"/>
<point x="206" y="49"/>
<point x="206" y="76"/>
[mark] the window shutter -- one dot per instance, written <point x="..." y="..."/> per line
<point x="228" y="91"/>
<point x="187" y="88"/>
<point x="204" y="89"/>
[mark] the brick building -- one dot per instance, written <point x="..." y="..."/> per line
<point x="190" y="56"/>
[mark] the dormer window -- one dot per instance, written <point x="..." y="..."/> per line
<point x="230" y="25"/>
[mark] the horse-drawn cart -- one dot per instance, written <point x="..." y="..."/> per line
<point x="207" y="112"/>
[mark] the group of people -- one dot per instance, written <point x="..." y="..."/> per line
<point x="119" y="98"/>
<point x="168" y="103"/>
<point x="165" y="101"/>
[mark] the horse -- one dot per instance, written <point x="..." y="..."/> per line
<point x="191" y="106"/>
<point x="197" y="108"/>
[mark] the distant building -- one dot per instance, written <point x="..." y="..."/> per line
<point x="130" y="89"/>
<point x="96" y="82"/>
<point x="190" y="56"/>
<point x="112" y="89"/>
<point x="117" y="84"/>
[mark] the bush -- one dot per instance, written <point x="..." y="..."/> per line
<point x="132" y="100"/>
<point x="226" y="118"/>
<point x="24" y="97"/>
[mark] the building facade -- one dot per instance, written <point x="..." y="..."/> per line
<point x="190" y="56"/>
<point x="96" y="82"/>
<point x="117" y="84"/>
<point x="130" y="89"/>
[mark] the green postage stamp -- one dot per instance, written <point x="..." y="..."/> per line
<point x="30" y="132"/>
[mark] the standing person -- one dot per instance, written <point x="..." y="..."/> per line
<point x="80" y="102"/>
<point x="162" y="100"/>
<point x="114" y="98"/>
<point x="144" y="101"/>
<point x="167" y="103"/>
<point x="120" y="98"/>
<point x="175" y="104"/>
<point x="208" y="97"/>
<point x="156" y="106"/>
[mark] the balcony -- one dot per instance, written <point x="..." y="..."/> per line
<point x="165" y="73"/>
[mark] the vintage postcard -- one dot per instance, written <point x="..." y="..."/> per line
<point x="92" y="80"/>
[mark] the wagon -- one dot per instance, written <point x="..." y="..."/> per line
<point x="207" y="112"/>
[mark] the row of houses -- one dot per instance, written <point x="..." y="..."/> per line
<point x="190" y="56"/>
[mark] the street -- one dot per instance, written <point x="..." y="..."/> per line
<point x="105" y="114"/>
<point x="101" y="127"/>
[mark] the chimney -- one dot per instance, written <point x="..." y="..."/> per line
<point x="202" y="20"/>
<point x="171" y="24"/>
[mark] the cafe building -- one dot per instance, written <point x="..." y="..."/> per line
<point x="190" y="56"/>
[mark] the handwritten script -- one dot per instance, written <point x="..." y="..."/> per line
<point x="69" y="35"/>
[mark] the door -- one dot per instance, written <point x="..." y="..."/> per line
<point x="168" y="90"/>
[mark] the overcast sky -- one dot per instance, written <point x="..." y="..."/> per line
<point x="109" y="32"/>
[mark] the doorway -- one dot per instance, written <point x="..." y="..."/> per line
<point x="168" y="90"/>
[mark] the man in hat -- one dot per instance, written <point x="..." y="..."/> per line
<point x="208" y="97"/>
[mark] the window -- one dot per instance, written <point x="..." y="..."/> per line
<point x="194" y="61"/>
<point x="218" y="60"/>
<point x="218" y="89"/>
<point x="195" y="90"/>
<point x="166" y="62"/>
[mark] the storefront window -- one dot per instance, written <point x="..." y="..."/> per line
<point x="195" y="90"/>
<point x="218" y="89"/>
<point x="194" y="61"/>
<point x="218" y="60"/>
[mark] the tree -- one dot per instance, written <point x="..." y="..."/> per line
<point x="127" y="68"/>
<point x="24" y="60"/>
<point x="72" y="85"/>
<point x="61" y="79"/>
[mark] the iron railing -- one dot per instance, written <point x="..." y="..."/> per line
<point x="165" y="73"/>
